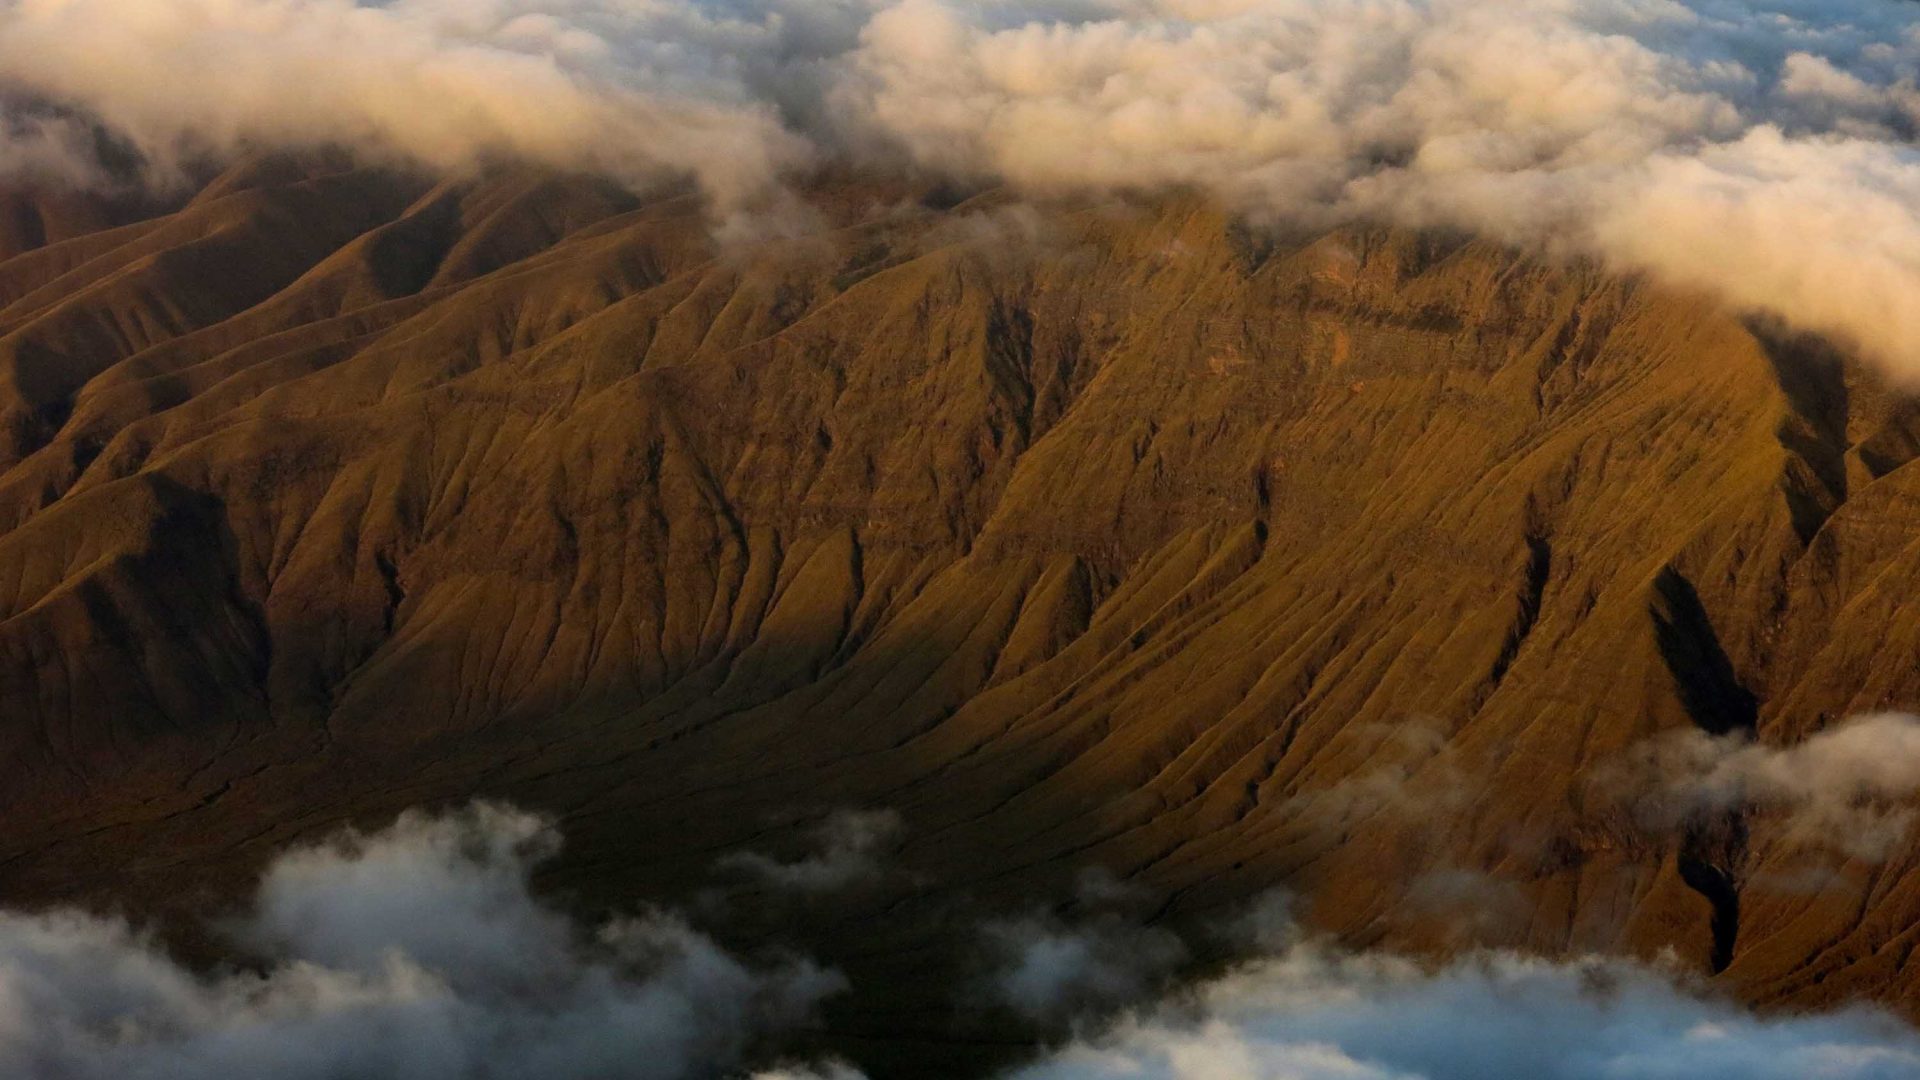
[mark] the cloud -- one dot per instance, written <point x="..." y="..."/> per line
<point x="1315" y="1013"/>
<point x="1050" y="967"/>
<point x="1760" y="151"/>
<point x="1050" y="970"/>
<point x="640" y="92"/>
<point x="413" y="952"/>
<point x="1412" y="773"/>
<point x="1841" y="789"/>
<point x="48" y="147"/>
<point x="847" y="849"/>
<point x="416" y="952"/>
<point x="1471" y="904"/>
<point x="1304" y="1009"/>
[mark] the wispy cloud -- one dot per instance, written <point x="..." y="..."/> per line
<point x="1050" y="969"/>
<point x="1848" y="788"/>
<point x="846" y="851"/>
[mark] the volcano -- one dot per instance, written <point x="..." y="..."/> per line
<point x="1111" y="532"/>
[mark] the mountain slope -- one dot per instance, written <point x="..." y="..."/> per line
<point x="1103" y="533"/>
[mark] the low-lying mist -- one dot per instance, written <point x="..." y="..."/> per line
<point x="418" y="952"/>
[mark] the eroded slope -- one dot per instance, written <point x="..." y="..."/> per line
<point x="1112" y="534"/>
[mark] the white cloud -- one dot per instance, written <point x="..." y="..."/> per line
<point x="1848" y="788"/>
<point x="638" y="91"/>
<point x="1753" y="150"/>
<point x="1760" y="151"/>
<point x="1312" y="1013"/>
<point x="1302" y="1009"/>
<point x="415" y="953"/>
<point x="1052" y="967"/>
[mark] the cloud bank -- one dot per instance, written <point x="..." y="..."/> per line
<point x="1316" y="1014"/>
<point x="1303" y="1009"/>
<point x="416" y="952"/>
<point x="642" y="92"/>
<point x="1759" y="150"/>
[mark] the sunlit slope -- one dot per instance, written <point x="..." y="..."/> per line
<point x="1111" y="533"/>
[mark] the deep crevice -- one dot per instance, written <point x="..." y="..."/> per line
<point x="1533" y="588"/>
<point x="1712" y="846"/>
<point x="1717" y="886"/>
<point x="1711" y="692"/>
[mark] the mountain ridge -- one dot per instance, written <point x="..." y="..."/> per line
<point x="1103" y="532"/>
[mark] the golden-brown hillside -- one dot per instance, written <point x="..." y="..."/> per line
<point x="1092" y="533"/>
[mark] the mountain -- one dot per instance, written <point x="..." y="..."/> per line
<point x="1096" y="532"/>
